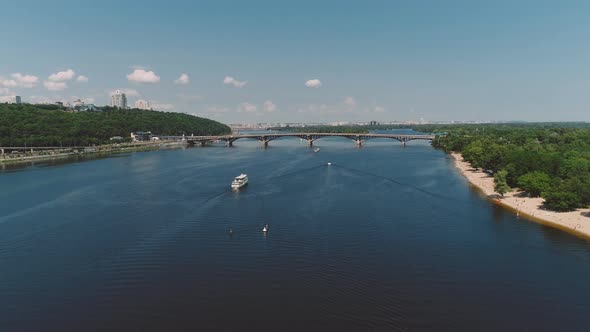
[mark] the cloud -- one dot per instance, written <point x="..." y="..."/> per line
<point x="315" y="83"/>
<point x="143" y="76"/>
<point x="247" y="107"/>
<point x="183" y="79"/>
<point x="127" y="92"/>
<point x="379" y="109"/>
<point x="20" y="80"/>
<point x="161" y="106"/>
<point x="232" y="81"/>
<point x="82" y="78"/>
<point x="350" y="101"/>
<point x="6" y="99"/>
<point x="62" y="76"/>
<point x="55" y="86"/>
<point x="269" y="106"/>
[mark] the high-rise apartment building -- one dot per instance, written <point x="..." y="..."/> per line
<point x="119" y="100"/>
<point x="142" y="104"/>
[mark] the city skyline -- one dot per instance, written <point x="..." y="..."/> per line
<point x="307" y="62"/>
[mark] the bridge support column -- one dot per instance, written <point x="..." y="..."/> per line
<point x="403" y="143"/>
<point x="358" y="142"/>
<point x="309" y="142"/>
<point x="230" y="143"/>
<point x="265" y="143"/>
<point x="203" y="143"/>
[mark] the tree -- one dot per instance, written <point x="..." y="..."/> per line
<point x="562" y="201"/>
<point x="500" y="185"/>
<point x="534" y="183"/>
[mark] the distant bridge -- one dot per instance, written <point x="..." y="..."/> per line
<point x="309" y="137"/>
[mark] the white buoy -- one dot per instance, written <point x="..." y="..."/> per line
<point x="264" y="230"/>
<point x="329" y="164"/>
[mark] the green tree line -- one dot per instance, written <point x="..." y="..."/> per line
<point x="46" y="125"/>
<point x="544" y="160"/>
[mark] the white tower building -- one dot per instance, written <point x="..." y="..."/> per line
<point x="142" y="104"/>
<point x="119" y="100"/>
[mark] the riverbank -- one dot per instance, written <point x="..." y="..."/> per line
<point x="92" y="150"/>
<point x="575" y="222"/>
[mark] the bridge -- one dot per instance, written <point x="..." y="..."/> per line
<point x="358" y="138"/>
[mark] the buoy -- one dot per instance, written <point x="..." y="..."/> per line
<point x="264" y="230"/>
<point x="329" y="164"/>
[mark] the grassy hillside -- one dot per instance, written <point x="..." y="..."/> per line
<point x="45" y="125"/>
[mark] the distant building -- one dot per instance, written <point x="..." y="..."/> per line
<point x="11" y="99"/>
<point x="139" y="136"/>
<point x="119" y="100"/>
<point x="80" y="106"/>
<point x="142" y="104"/>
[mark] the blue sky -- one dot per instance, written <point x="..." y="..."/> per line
<point x="361" y="60"/>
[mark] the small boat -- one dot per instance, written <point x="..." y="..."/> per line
<point x="240" y="181"/>
<point x="316" y="149"/>
<point x="329" y="164"/>
<point x="265" y="229"/>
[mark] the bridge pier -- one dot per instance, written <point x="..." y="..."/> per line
<point x="359" y="142"/>
<point x="230" y="143"/>
<point x="203" y="143"/>
<point x="403" y="143"/>
<point x="310" y="142"/>
<point x="265" y="143"/>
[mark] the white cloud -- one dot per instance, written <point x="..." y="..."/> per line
<point x="161" y="106"/>
<point x="269" y="106"/>
<point x="247" y="107"/>
<point x="20" y="80"/>
<point x="127" y="92"/>
<point x="232" y="81"/>
<point x="43" y="99"/>
<point x="62" y="76"/>
<point x="350" y="101"/>
<point x="82" y="78"/>
<point x="55" y="86"/>
<point x="143" y="76"/>
<point x="315" y="83"/>
<point x="183" y="79"/>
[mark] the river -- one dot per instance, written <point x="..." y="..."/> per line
<point x="386" y="238"/>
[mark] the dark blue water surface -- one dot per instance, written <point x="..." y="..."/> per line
<point x="386" y="238"/>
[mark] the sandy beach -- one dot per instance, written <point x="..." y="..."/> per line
<point x="576" y="222"/>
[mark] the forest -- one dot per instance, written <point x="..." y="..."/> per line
<point x="47" y="125"/>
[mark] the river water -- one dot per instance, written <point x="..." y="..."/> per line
<point x="386" y="238"/>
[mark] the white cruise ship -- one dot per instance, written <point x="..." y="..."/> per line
<point x="240" y="181"/>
